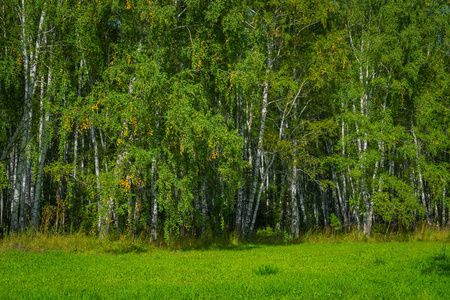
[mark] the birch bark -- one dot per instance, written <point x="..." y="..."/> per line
<point x="259" y="149"/>
<point x="154" y="211"/>
<point x="43" y="146"/>
<point x="421" y="184"/>
<point x="97" y="176"/>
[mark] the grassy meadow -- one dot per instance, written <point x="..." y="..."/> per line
<point x="86" y="268"/>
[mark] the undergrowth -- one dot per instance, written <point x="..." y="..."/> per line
<point x="82" y="243"/>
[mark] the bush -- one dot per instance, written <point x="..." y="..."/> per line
<point x="269" y="235"/>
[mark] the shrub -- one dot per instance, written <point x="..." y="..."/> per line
<point x="269" y="235"/>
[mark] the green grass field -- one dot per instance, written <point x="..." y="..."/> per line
<point x="383" y="270"/>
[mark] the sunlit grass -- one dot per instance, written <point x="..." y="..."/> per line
<point x="83" y="267"/>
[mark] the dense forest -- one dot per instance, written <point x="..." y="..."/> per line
<point x="171" y="118"/>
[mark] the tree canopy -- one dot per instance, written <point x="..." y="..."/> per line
<point x="182" y="117"/>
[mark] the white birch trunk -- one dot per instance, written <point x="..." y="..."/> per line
<point x="25" y="193"/>
<point x="258" y="200"/>
<point x="22" y="188"/>
<point x="97" y="176"/>
<point x="83" y="146"/>
<point x="295" y="220"/>
<point x="259" y="149"/>
<point x="136" y="214"/>
<point x="154" y="225"/>
<point x="240" y="196"/>
<point x="300" y="192"/>
<point x="17" y="188"/>
<point x="43" y="145"/>
<point x="421" y="185"/>
<point x="240" y="126"/>
<point x="75" y="133"/>
<point x="326" y="216"/>
<point x="444" y="191"/>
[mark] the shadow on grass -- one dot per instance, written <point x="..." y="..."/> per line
<point x="122" y="247"/>
<point x="125" y="250"/>
<point x="224" y="247"/>
<point x="242" y="245"/>
<point x="438" y="263"/>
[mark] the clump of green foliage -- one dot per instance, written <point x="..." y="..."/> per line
<point x="379" y="261"/>
<point x="272" y="236"/>
<point x="266" y="270"/>
<point x="334" y="223"/>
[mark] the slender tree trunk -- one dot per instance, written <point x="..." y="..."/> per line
<point x="130" y="208"/>
<point x="97" y="176"/>
<point x="116" y="222"/>
<point x="302" y="204"/>
<point x="13" y="178"/>
<point x="343" y="192"/>
<point x="444" y="191"/>
<point x="258" y="200"/>
<point x="43" y="145"/>
<point x="154" y="225"/>
<point x="316" y="212"/>
<point x="75" y="133"/>
<point x="197" y="209"/>
<point x="18" y="186"/>
<point x="436" y="214"/>
<point x="204" y="204"/>
<point x="83" y="147"/>
<point x="27" y="106"/>
<point x="295" y="220"/>
<point x="368" y="215"/>
<point x="25" y="193"/>
<point x="339" y="198"/>
<point x="2" y="205"/>
<point x="421" y="185"/>
<point x="240" y="195"/>
<point x="136" y="213"/>
<point x="240" y="192"/>
<point x="326" y="215"/>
